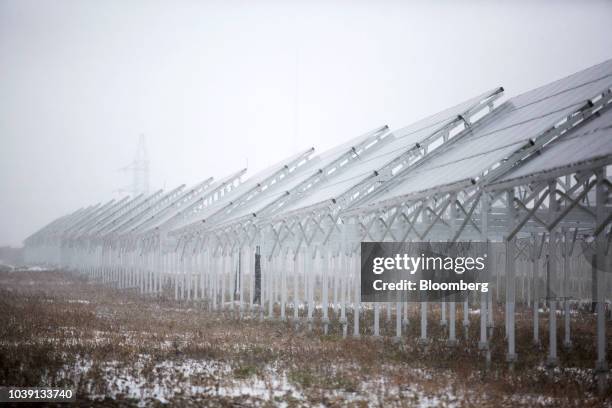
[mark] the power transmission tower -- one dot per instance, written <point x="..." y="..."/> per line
<point x="140" y="170"/>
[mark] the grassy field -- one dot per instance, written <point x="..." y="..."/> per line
<point x="116" y="348"/>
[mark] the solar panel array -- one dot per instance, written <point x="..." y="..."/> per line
<point x="378" y="168"/>
<point x="527" y="169"/>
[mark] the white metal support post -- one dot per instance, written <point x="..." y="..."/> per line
<point x="452" y="223"/>
<point x="511" y="356"/>
<point x="568" y="249"/>
<point x="357" y="301"/>
<point x="344" y="287"/>
<point x="376" y="319"/>
<point x="423" y="338"/>
<point x="324" y="290"/>
<point x="483" y="344"/>
<point x="283" y="271"/>
<point x="601" y="366"/>
<point x="552" y="360"/>
<point x="535" y="263"/>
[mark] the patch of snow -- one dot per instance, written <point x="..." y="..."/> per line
<point x="81" y="301"/>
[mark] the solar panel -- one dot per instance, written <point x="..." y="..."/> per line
<point x="249" y="189"/>
<point x="512" y="126"/>
<point x="590" y="142"/>
<point x="400" y="141"/>
<point x="317" y="171"/>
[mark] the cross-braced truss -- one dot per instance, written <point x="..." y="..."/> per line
<point x="531" y="172"/>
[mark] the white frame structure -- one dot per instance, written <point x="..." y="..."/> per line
<point x="301" y="222"/>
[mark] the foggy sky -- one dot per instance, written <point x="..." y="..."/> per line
<point x="214" y="84"/>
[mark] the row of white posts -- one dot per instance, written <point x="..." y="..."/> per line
<point x="329" y="280"/>
<point x="227" y="280"/>
<point x="323" y="287"/>
<point x="325" y="281"/>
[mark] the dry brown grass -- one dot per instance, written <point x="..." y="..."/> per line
<point x="51" y="321"/>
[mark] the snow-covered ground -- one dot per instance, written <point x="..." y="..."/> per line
<point x="24" y="268"/>
<point x="108" y="344"/>
<point x="148" y="380"/>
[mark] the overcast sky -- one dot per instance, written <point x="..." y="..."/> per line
<point x="214" y="84"/>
